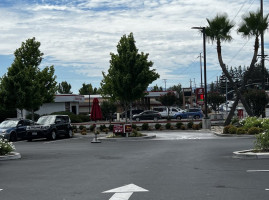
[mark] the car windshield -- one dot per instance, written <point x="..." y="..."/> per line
<point x="9" y="124"/>
<point x="46" y="120"/>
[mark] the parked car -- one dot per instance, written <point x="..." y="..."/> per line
<point x="193" y="113"/>
<point x="14" y="129"/>
<point x="50" y="127"/>
<point x="164" y="111"/>
<point x="122" y="115"/>
<point x="147" y="115"/>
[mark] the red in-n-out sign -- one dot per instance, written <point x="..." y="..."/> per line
<point x="200" y="93"/>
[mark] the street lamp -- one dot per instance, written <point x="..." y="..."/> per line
<point x="204" y="49"/>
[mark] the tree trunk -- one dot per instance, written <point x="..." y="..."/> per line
<point x="231" y="113"/>
<point x="225" y="71"/>
<point x="131" y="113"/>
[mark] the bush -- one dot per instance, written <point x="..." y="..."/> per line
<point x="81" y="127"/>
<point x="6" y="147"/>
<point x="226" y="129"/>
<point x="201" y="125"/>
<point x="189" y="125"/>
<point x="241" y="131"/>
<point x="158" y="126"/>
<point x="254" y="131"/>
<point x="183" y="127"/>
<point x="83" y="131"/>
<point x="262" y="141"/>
<point x="92" y="127"/>
<point x="179" y="124"/>
<point x="145" y="126"/>
<point x="111" y="126"/>
<point x="250" y="122"/>
<point x="168" y="125"/>
<point x="134" y="126"/>
<point x="102" y="127"/>
<point x="74" y="128"/>
<point x="195" y="126"/>
<point x="232" y="130"/>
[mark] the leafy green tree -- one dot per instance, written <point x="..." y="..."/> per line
<point x="257" y="100"/>
<point x="86" y="89"/>
<point x="25" y="86"/>
<point x="215" y="99"/>
<point x="156" y="88"/>
<point x="129" y="74"/>
<point x="178" y="89"/>
<point x="64" y="88"/>
<point x="108" y="108"/>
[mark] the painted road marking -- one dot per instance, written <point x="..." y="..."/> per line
<point x="1" y="190"/>
<point x="124" y="192"/>
<point x="258" y="170"/>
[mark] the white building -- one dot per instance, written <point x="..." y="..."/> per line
<point x="62" y="102"/>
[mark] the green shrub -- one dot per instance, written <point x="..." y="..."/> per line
<point x="83" y="131"/>
<point x="189" y="125"/>
<point x="158" y="126"/>
<point x="179" y="124"/>
<point x="6" y="147"/>
<point x="168" y="125"/>
<point x="241" y="131"/>
<point x="145" y="126"/>
<point x="254" y="131"/>
<point x="226" y="129"/>
<point x="250" y="122"/>
<point x="200" y="124"/>
<point x="81" y="127"/>
<point x="262" y="141"/>
<point x="92" y="127"/>
<point x="183" y="127"/>
<point x="232" y="130"/>
<point x="74" y="128"/>
<point x="195" y="127"/>
<point x="102" y="127"/>
<point x="111" y="126"/>
<point x="134" y="126"/>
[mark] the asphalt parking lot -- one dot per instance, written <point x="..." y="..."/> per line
<point x="173" y="166"/>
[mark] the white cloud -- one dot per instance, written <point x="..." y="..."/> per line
<point x="81" y="34"/>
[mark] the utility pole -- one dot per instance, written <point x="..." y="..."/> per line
<point x="262" y="61"/>
<point x="201" y="69"/>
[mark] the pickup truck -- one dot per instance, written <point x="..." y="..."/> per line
<point x="164" y="111"/>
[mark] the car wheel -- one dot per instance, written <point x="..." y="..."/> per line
<point x="69" y="133"/>
<point x="13" y="137"/>
<point x="196" y="117"/>
<point x="178" y="117"/>
<point x="53" y="135"/>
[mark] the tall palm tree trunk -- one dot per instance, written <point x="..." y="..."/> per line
<point x="238" y="92"/>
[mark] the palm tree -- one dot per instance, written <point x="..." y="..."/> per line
<point x="219" y="29"/>
<point x="254" y="24"/>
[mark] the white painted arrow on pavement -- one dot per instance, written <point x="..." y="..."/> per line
<point x="125" y="192"/>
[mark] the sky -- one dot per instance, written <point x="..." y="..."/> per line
<point x="77" y="36"/>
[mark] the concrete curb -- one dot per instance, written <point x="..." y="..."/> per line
<point x="231" y="135"/>
<point x="128" y="138"/>
<point x="11" y="156"/>
<point x="248" y="154"/>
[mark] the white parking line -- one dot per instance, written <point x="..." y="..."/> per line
<point x="258" y="170"/>
<point x="1" y="190"/>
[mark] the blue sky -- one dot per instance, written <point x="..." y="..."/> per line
<point x="77" y="36"/>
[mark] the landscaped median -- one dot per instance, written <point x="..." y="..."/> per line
<point x="259" y="128"/>
<point x="7" y="150"/>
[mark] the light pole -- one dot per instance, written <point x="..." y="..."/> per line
<point x="207" y="121"/>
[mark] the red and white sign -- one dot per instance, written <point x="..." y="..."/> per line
<point x="200" y="93"/>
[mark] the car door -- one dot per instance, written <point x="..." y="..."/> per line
<point x="21" y="129"/>
<point x="59" y="123"/>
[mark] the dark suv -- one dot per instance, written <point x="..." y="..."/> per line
<point x="14" y="129"/>
<point x="50" y="126"/>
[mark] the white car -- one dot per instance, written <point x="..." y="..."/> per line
<point x="164" y="111"/>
